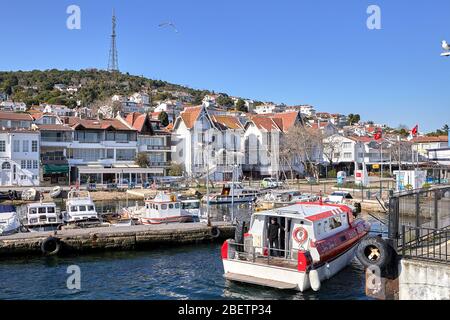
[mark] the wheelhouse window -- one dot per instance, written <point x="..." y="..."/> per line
<point x="164" y="207"/>
<point x="91" y="208"/>
<point x="82" y="208"/>
<point x="74" y="208"/>
<point x="51" y="210"/>
<point x="42" y="210"/>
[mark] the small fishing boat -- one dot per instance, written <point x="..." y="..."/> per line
<point x="43" y="216"/>
<point x="163" y="208"/>
<point x="79" y="207"/>
<point x="230" y="194"/>
<point x="316" y="241"/>
<point x="56" y="192"/>
<point x="29" y="194"/>
<point x="9" y="220"/>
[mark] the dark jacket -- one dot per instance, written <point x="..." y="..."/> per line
<point x="273" y="231"/>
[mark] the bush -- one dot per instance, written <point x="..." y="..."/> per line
<point x="332" y="173"/>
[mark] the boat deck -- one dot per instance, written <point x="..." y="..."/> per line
<point x="271" y="261"/>
<point x="260" y="281"/>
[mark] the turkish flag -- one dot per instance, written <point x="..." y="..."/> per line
<point x="378" y="135"/>
<point x="415" y="130"/>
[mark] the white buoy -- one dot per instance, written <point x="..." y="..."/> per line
<point x="314" y="280"/>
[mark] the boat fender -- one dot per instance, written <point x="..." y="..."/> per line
<point x="327" y="271"/>
<point x="374" y="251"/>
<point x="50" y="246"/>
<point x="300" y="235"/>
<point x="215" y="232"/>
<point x="314" y="280"/>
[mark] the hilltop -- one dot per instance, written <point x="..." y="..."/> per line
<point x="35" y="87"/>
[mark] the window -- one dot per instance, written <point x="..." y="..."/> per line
<point x="170" y="206"/>
<point x="29" y="164"/>
<point x="42" y="210"/>
<point x="34" y="146"/>
<point x="91" y="208"/>
<point x="23" y="164"/>
<point x="35" y="164"/>
<point x="335" y="222"/>
<point x="347" y="145"/>
<point x="110" y="154"/>
<point x="33" y="211"/>
<point x="16" y="146"/>
<point x="2" y="145"/>
<point x="51" y="209"/>
<point x="347" y="155"/>
<point x="164" y="207"/>
<point x="74" y="208"/>
<point x="82" y="208"/>
<point x="25" y="146"/>
<point x="6" y="166"/>
<point x="23" y="177"/>
<point x="34" y="177"/>
<point x="177" y="206"/>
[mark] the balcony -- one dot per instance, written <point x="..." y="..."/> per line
<point x="158" y="148"/>
<point x="159" y="164"/>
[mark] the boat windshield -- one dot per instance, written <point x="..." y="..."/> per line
<point x="191" y="205"/>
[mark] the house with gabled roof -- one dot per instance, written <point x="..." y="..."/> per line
<point x="261" y="141"/>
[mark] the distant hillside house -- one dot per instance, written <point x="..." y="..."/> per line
<point x="13" y="106"/>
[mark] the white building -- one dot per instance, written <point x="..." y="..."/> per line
<point x="207" y="144"/>
<point x="13" y="106"/>
<point x="59" y="110"/>
<point x="265" y="109"/>
<point x="19" y="150"/>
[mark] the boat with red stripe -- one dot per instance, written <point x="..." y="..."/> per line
<point x="315" y="241"/>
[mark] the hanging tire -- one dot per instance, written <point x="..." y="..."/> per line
<point x="215" y="232"/>
<point x="50" y="246"/>
<point x="374" y="251"/>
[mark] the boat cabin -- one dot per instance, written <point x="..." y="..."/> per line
<point x="303" y="227"/>
<point x="43" y="214"/>
<point x="79" y="206"/>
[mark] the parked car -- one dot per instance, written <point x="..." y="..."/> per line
<point x="270" y="183"/>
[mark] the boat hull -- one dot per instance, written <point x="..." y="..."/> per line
<point x="297" y="280"/>
<point x="174" y="219"/>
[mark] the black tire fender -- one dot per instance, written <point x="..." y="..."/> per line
<point x="374" y="251"/>
<point x="50" y="246"/>
<point x="214" y="232"/>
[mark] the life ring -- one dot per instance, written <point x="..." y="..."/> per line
<point x="215" y="232"/>
<point x="50" y="246"/>
<point x="304" y="235"/>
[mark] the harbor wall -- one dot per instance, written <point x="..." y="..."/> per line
<point x="115" y="238"/>
<point x="424" y="280"/>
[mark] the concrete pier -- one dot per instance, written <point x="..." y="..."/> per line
<point x="114" y="238"/>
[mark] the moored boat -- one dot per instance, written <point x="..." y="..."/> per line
<point x="277" y="199"/>
<point x="9" y="220"/>
<point x="230" y="194"/>
<point x="43" y="216"/>
<point x="29" y="194"/>
<point x="56" y="192"/>
<point x="163" y="208"/>
<point x="316" y="242"/>
<point x="79" y="207"/>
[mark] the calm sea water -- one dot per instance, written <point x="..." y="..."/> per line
<point x="188" y="272"/>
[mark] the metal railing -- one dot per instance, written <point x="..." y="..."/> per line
<point x="423" y="208"/>
<point x="262" y="255"/>
<point x="421" y="243"/>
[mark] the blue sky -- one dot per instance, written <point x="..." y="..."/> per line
<point x="297" y="51"/>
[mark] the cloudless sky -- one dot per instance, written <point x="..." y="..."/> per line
<point x="293" y="51"/>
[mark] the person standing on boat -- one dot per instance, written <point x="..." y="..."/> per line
<point x="274" y="242"/>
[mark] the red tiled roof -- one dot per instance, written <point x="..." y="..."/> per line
<point x="228" y="122"/>
<point x="136" y="120"/>
<point x="428" y="139"/>
<point x="190" y="115"/>
<point x="54" y="127"/>
<point x="281" y="121"/>
<point x="4" y="115"/>
<point x="104" y="124"/>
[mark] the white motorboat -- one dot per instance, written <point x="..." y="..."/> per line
<point x="9" y="220"/>
<point x="43" y="216"/>
<point x="56" y="192"/>
<point x="316" y="241"/>
<point x="79" y="207"/>
<point x="277" y="199"/>
<point x="230" y="194"/>
<point x="163" y="208"/>
<point x="343" y="197"/>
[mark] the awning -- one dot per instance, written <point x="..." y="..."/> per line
<point x="56" y="168"/>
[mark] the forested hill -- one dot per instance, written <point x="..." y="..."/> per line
<point x="35" y="87"/>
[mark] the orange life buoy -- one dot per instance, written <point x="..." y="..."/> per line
<point x="303" y="234"/>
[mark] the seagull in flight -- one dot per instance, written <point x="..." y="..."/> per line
<point x="168" y="24"/>
<point x="445" y="45"/>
